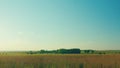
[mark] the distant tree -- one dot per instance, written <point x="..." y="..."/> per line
<point x="69" y="51"/>
<point x="100" y="53"/>
<point x="74" y="51"/>
<point x="42" y="51"/>
<point x="30" y="52"/>
<point x="89" y="51"/>
<point x="62" y="51"/>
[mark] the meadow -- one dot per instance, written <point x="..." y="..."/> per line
<point x="59" y="61"/>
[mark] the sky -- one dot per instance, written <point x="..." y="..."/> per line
<point x="54" y="24"/>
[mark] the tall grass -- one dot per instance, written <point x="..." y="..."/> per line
<point x="60" y="61"/>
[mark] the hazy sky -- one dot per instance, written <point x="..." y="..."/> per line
<point x="53" y="24"/>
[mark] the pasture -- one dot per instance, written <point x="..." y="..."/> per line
<point x="59" y="61"/>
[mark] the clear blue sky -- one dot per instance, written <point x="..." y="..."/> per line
<point x="53" y="24"/>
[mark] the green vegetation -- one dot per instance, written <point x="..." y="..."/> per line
<point x="74" y="51"/>
<point x="59" y="51"/>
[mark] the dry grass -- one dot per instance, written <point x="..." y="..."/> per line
<point x="60" y="61"/>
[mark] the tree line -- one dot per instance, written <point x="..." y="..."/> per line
<point x="58" y="51"/>
<point x="63" y="51"/>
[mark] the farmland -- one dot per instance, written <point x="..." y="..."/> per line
<point x="59" y="61"/>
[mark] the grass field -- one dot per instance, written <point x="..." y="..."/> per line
<point x="60" y="61"/>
